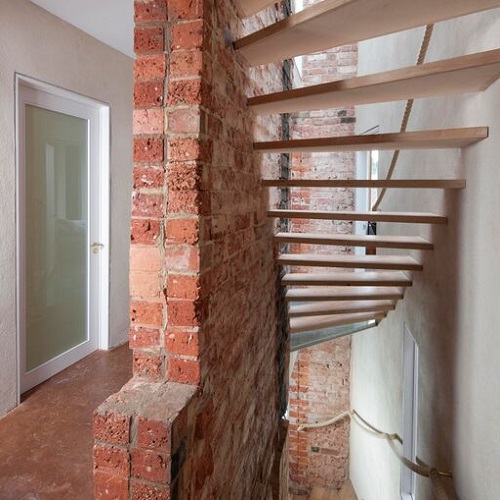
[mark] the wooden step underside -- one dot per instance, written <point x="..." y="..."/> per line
<point x="307" y="323"/>
<point x="333" y="23"/>
<point x="401" y="217"/>
<point x="343" y="293"/>
<point x="469" y="73"/>
<point x="405" y="242"/>
<point x="422" y="139"/>
<point x="368" y="278"/>
<point x="340" y="307"/>
<point x="390" y="262"/>
<point x="361" y="183"/>
<point x="250" y="7"/>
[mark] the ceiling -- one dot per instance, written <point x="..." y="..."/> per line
<point x="110" y="21"/>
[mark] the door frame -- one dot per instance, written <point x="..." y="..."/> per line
<point x="98" y="295"/>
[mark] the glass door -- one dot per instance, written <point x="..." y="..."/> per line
<point x="59" y="247"/>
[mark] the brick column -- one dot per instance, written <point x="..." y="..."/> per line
<point x="147" y="280"/>
<point x="200" y="417"/>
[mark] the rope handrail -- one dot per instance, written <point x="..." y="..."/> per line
<point x="420" y="467"/>
<point x="407" y="113"/>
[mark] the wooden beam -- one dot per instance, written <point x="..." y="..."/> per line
<point x="422" y="139"/>
<point x="406" y="242"/>
<point x="401" y="217"/>
<point x="361" y="183"/>
<point x="368" y="278"/>
<point x="318" y="322"/>
<point x="351" y="293"/>
<point x="332" y="23"/>
<point x="469" y="73"/>
<point x="340" y="307"/>
<point x="390" y="262"/>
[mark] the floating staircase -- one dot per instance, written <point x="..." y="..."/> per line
<point x="361" y="289"/>
<point x="332" y="23"/>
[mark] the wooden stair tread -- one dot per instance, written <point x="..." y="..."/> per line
<point x="340" y="307"/>
<point x="347" y="492"/>
<point x="306" y="323"/>
<point x="402" y="217"/>
<point x="319" y="493"/>
<point x="332" y="23"/>
<point x="468" y="73"/>
<point x="343" y="293"/>
<point x="406" y="242"/>
<point x="368" y="278"/>
<point x="393" y="262"/>
<point x="360" y="183"/>
<point x="422" y="139"/>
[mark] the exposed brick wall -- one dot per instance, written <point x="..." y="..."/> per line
<point x="200" y="418"/>
<point x="319" y="389"/>
<point x="319" y="384"/>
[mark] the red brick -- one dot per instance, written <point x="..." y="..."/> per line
<point x="185" y="10"/>
<point x="145" y="258"/>
<point x="110" y="487"/>
<point x="183" y="287"/>
<point x="182" y="313"/>
<point x="148" y="150"/>
<point x="144" y="491"/>
<point x="149" y="177"/>
<point x="146" y="313"/>
<point x="187" y="35"/>
<point x="182" y="231"/>
<point x="147" y="205"/>
<point x="151" y="466"/>
<point x="112" y="428"/>
<point x="182" y="258"/>
<point x="153" y="434"/>
<point x="148" y="94"/>
<point x="148" y="121"/>
<point x="147" y="364"/>
<point x="186" y="63"/>
<point x="111" y="459"/>
<point x="184" y="371"/>
<point x="188" y="92"/>
<point x="150" y="67"/>
<point x="185" y="121"/>
<point x="186" y="202"/>
<point x="185" y="176"/>
<point x="145" y="231"/>
<point x="149" y="40"/>
<point x="180" y="342"/>
<point x="150" y="11"/>
<point x="144" y="285"/>
<point x="181" y="150"/>
<point x="140" y="337"/>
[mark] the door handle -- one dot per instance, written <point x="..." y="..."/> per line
<point x="96" y="247"/>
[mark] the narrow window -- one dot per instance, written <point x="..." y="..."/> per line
<point x="410" y="412"/>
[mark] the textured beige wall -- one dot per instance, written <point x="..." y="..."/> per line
<point x="37" y="44"/>
<point x="452" y="307"/>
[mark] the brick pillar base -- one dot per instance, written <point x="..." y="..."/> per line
<point x="142" y="435"/>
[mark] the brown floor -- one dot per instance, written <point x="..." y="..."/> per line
<point x="46" y="443"/>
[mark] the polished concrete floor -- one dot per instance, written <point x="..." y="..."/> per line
<point x="46" y="442"/>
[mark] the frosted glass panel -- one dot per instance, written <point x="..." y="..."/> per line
<point x="56" y="233"/>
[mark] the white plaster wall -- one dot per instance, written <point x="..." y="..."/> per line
<point x="39" y="45"/>
<point x="452" y="307"/>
